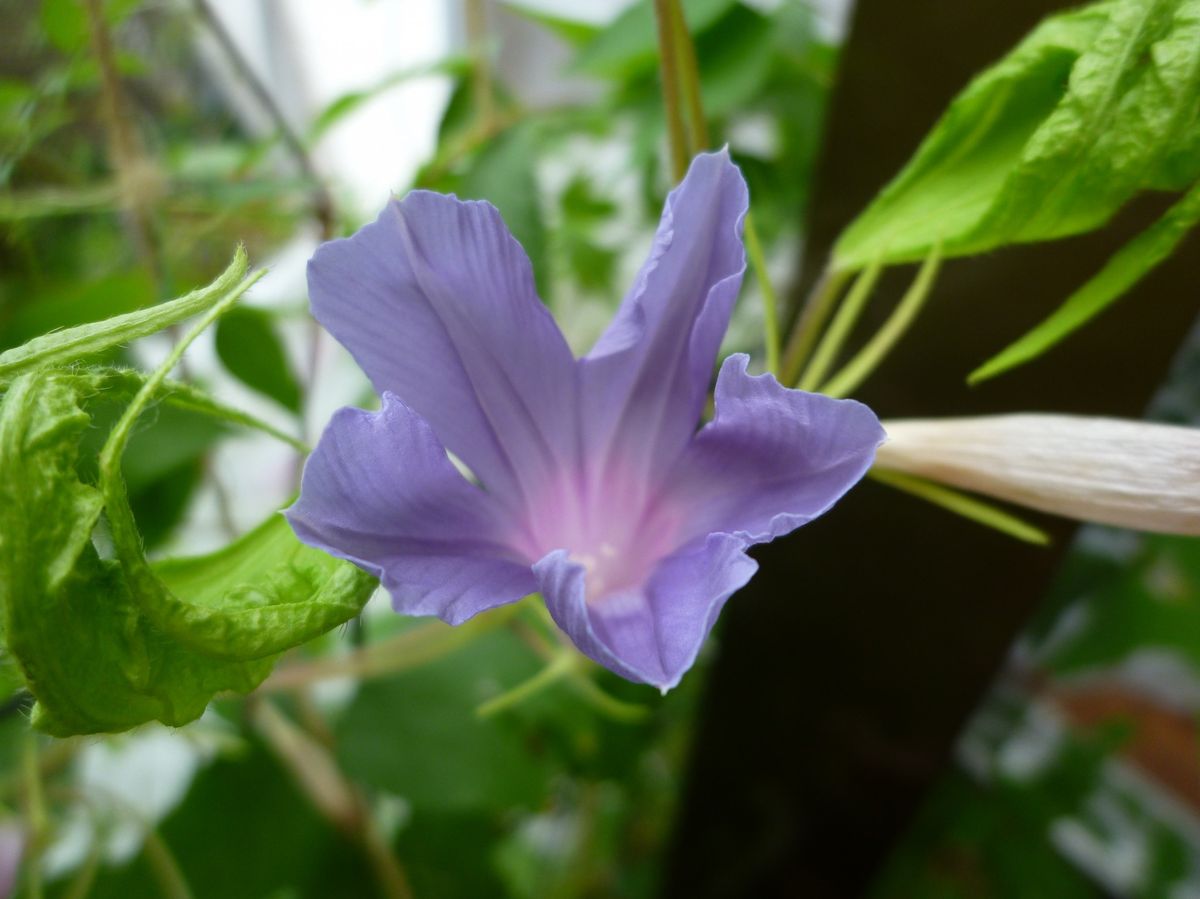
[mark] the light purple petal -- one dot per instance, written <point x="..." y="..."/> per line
<point x="436" y="302"/>
<point x="649" y="634"/>
<point x="772" y="459"/>
<point x="646" y="380"/>
<point x="593" y="467"/>
<point x="380" y="491"/>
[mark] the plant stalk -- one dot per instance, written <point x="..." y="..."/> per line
<point x="677" y="137"/>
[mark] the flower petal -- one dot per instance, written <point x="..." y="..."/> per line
<point x="436" y="302"/>
<point x="649" y="635"/>
<point x="772" y="459"/>
<point x="1131" y="474"/>
<point x="380" y="491"/>
<point x="646" y="379"/>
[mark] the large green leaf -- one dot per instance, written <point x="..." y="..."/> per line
<point x="1095" y="105"/>
<point x="105" y="645"/>
<point x="88" y="655"/>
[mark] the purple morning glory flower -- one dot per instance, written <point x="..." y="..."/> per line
<point x="595" y="487"/>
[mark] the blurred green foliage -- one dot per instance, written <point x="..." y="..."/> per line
<point x="1088" y="748"/>
<point x="561" y="795"/>
<point x="549" y="798"/>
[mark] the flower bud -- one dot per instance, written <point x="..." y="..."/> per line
<point x="1126" y="473"/>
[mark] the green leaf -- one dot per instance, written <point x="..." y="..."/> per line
<point x="252" y="352"/>
<point x="452" y="759"/>
<point x="105" y="645"/>
<point x="1129" y="265"/>
<point x="122" y="384"/>
<point x="1095" y="105"/>
<point x="593" y="266"/>
<point x="166" y="461"/>
<point x="629" y="45"/>
<point x="573" y="31"/>
<point x="583" y="211"/>
<point x="347" y="103"/>
<point x="65" y="23"/>
<point x="582" y="205"/>
<point x="75" y="343"/>
<point x="1152" y="603"/>
<point x="262" y="594"/>
<point x="92" y="660"/>
<point x="736" y="58"/>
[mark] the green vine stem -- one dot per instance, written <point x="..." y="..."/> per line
<point x="677" y="138"/>
<point x="35" y="813"/>
<point x="870" y="356"/>
<point x="681" y="83"/>
<point x="839" y="329"/>
<point x="960" y="503"/>
<point x="818" y="306"/>
<point x="770" y="301"/>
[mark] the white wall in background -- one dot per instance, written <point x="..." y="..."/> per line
<point x="310" y="52"/>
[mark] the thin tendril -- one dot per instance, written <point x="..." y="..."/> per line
<point x="869" y="357"/>
<point x="839" y="330"/>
